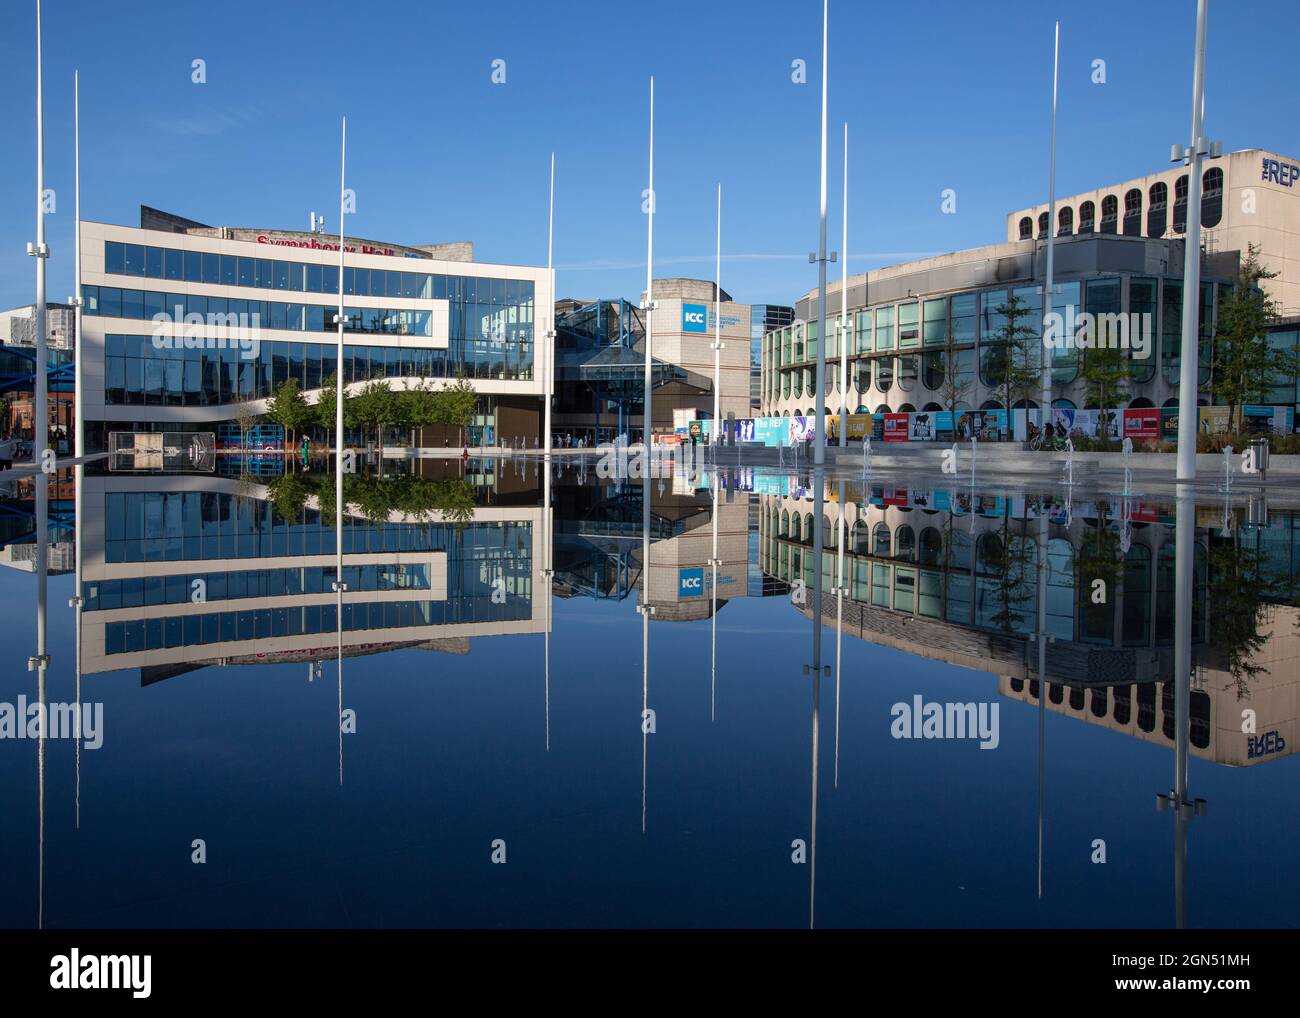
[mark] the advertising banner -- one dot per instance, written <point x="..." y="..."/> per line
<point x="896" y="427"/>
<point x="745" y="429"/>
<point x="1143" y="423"/>
<point x="860" y="426"/>
<point x="922" y="426"/>
<point x="802" y="429"/>
<point x="1169" y="423"/>
<point x="1212" y="420"/>
<point x="772" y="431"/>
<point x="968" y="423"/>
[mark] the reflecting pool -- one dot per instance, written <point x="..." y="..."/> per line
<point x="570" y="695"/>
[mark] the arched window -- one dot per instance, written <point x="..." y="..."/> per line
<point x="1141" y="403"/>
<point x="931" y="551"/>
<point x="1065" y="222"/>
<point x="785" y="524"/>
<point x="932" y="369"/>
<point x="990" y="404"/>
<point x="796" y="527"/>
<point x="1026" y="228"/>
<point x="905" y="544"/>
<point x="883" y="409"/>
<point x="884" y="373"/>
<point x="1087" y="213"/>
<point x="880" y="540"/>
<point x="1180" y="204"/>
<point x="1109" y="213"/>
<point x="1212" y="197"/>
<point x="907" y="408"/>
<point x="1133" y="212"/>
<point x="907" y="371"/>
<point x="861" y="538"/>
<point x="863" y="371"/>
<point x="1042" y="224"/>
<point x="1158" y="200"/>
<point x="932" y="408"/>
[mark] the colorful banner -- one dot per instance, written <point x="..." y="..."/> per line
<point x="802" y="429"/>
<point x="895" y="429"/>
<point x="1142" y="424"/>
<point x="772" y="431"/>
<point x="1213" y="420"/>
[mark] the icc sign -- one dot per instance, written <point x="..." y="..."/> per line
<point x="695" y="318"/>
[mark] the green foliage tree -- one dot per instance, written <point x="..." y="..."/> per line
<point x="1106" y="375"/>
<point x="456" y="405"/>
<point x="1244" y="362"/>
<point x="288" y="408"/>
<point x="1019" y="348"/>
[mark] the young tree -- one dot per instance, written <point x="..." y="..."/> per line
<point x="1105" y="371"/>
<point x="456" y="405"/>
<point x="1020" y="350"/>
<point x="290" y="410"/>
<point x="954" y="388"/>
<point x="1244" y="362"/>
<point x="374" y="406"/>
<point x="246" y="417"/>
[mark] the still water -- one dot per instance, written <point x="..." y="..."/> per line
<point x="521" y="745"/>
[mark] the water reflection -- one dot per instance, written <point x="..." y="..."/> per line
<point x="1164" y="621"/>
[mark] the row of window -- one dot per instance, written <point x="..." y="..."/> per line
<point x="269" y="623"/>
<point x="1199" y="712"/>
<point x="139" y="591"/>
<point x="170" y="526"/>
<point x="1157" y="211"/>
<point x="309" y="277"/>
<point x="137" y="373"/>
<point x="978" y="319"/>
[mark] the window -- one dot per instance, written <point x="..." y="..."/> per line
<point x="1212" y="197"/>
<point x="1158" y="198"/>
<point x="963" y="318"/>
<point x="1042" y="224"/>
<point x="1087" y="213"/>
<point x="932" y="368"/>
<point x="1065" y="222"/>
<point x="1133" y="212"/>
<point x="907" y="370"/>
<point x="934" y="329"/>
<point x="1109" y="213"/>
<point x="908" y="333"/>
<point x="1142" y="293"/>
<point x="884" y="373"/>
<point x="885" y="328"/>
<point x="1026" y="228"/>
<point x="1180" y="204"/>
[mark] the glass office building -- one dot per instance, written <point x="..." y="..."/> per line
<point x="180" y="327"/>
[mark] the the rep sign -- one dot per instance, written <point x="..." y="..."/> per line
<point x="695" y="318"/>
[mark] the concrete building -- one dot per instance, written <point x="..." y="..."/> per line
<point x="184" y="322"/>
<point x="18" y="326"/>
<point x="927" y="335"/>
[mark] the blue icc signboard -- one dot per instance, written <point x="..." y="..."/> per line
<point x="695" y="318"/>
<point x="690" y="582"/>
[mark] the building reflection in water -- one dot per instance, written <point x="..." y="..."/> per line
<point x="177" y="573"/>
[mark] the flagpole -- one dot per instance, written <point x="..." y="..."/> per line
<point x="717" y="333"/>
<point x="844" y="307"/>
<point x="819" y="442"/>
<point x="548" y="356"/>
<point x="1045" y="376"/>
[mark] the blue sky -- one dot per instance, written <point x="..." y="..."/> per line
<point x="937" y="95"/>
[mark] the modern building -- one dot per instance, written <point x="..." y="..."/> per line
<point x="962" y="587"/>
<point x="927" y="335"/>
<point x="763" y="318"/>
<point x="18" y="326"/>
<point x="600" y="361"/>
<point x="183" y="323"/>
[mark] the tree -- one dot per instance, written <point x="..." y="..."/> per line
<point x="954" y="388"/>
<point x="288" y="408"/>
<point x="1105" y="371"/>
<point x="456" y="405"/>
<point x="1018" y="347"/>
<point x="246" y="417"/>
<point x="1244" y="361"/>
<point x="374" y="406"/>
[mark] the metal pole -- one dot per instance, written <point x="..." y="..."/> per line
<point x="548" y="356"/>
<point x="647" y="415"/>
<point x="819" y="443"/>
<point x="717" y="337"/>
<point x="78" y="439"/>
<point x="844" y="333"/>
<point x="340" y="390"/>
<point x="1045" y="377"/>
<point x="1192" y="266"/>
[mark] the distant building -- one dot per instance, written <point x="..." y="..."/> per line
<point x="18" y="326"/>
